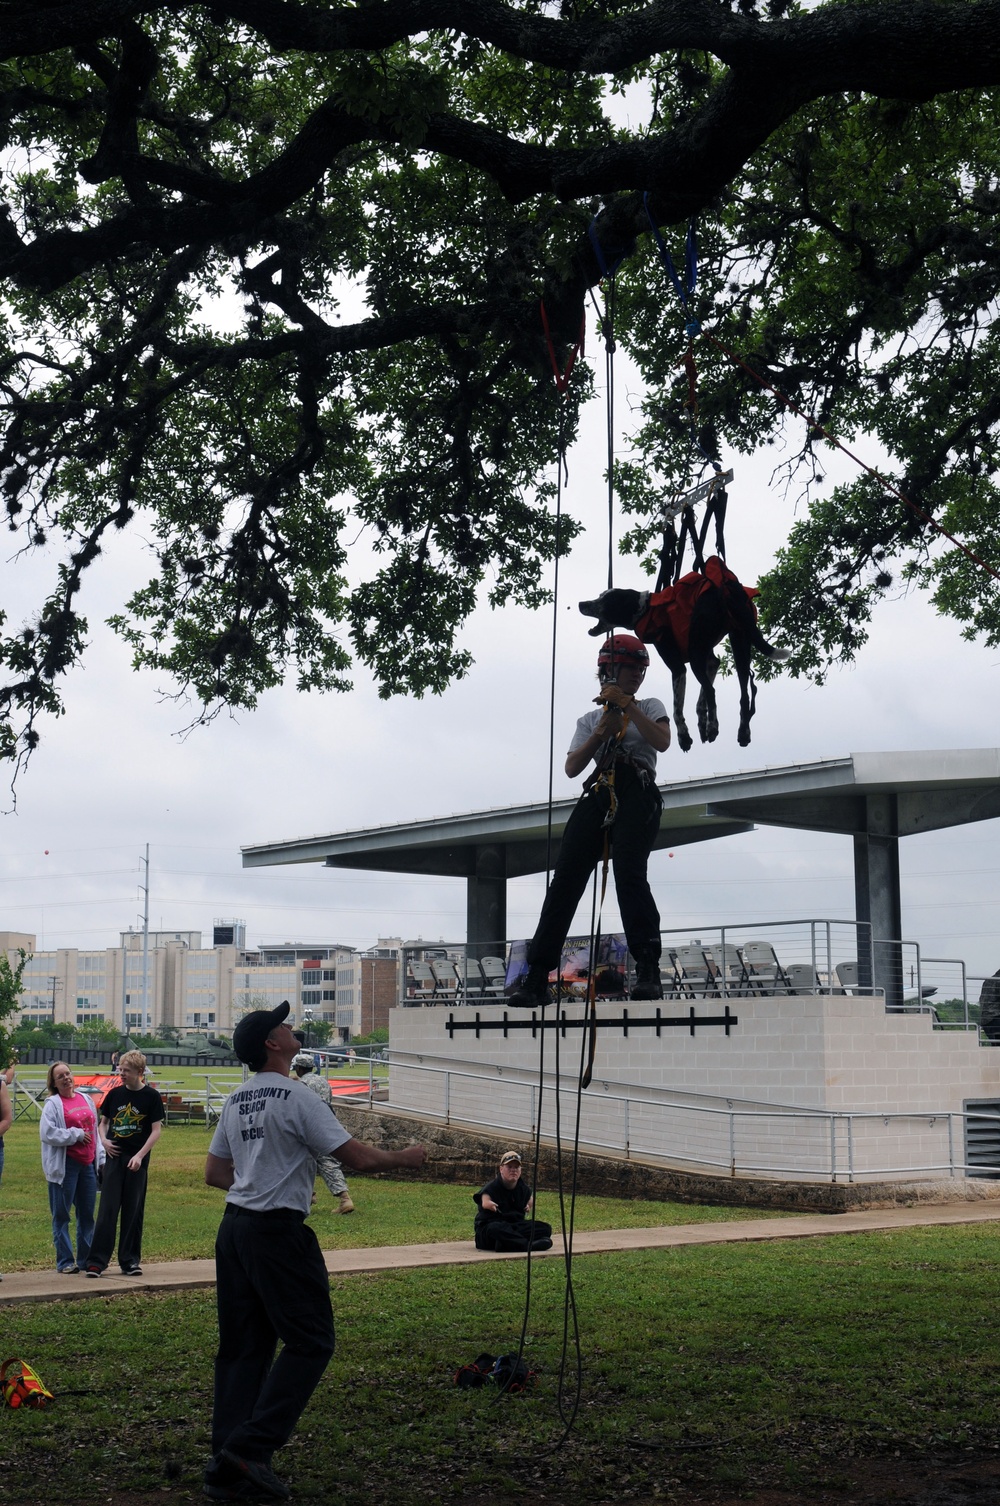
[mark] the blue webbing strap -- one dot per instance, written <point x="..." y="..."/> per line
<point x="598" y="251"/>
<point x="686" y="288"/>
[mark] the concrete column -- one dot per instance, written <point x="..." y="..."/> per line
<point x="486" y="919"/>
<point x="876" y="889"/>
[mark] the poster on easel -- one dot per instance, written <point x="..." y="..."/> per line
<point x="574" y="967"/>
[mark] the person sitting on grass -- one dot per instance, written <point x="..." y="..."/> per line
<point x="130" y="1125"/>
<point x="504" y="1220"/>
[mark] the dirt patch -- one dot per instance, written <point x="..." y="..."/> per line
<point x="953" y="1481"/>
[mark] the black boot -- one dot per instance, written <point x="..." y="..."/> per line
<point x="533" y="990"/>
<point x="647" y="981"/>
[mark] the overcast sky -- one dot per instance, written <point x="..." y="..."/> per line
<point x="114" y="773"/>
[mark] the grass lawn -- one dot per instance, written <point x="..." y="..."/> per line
<point x="706" y="1371"/>
<point x="182" y="1214"/>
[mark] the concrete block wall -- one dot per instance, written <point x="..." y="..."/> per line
<point x="702" y="1100"/>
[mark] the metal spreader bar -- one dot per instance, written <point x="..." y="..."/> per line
<point x="625" y="1022"/>
<point x="675" y="505"/>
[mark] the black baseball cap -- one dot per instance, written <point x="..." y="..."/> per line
<point x="253" y="1030"/>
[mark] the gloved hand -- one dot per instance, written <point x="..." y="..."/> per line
<point x="610" y="724"/>
<point x="611" y="696"/>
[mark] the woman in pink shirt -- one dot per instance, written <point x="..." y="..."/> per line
<point x="71" y="1154"/>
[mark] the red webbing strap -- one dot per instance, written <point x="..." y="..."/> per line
<point x="562" y="377"/>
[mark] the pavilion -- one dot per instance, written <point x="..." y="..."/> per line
<point x="875" y="798"/>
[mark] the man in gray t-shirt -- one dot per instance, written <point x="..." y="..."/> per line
<point x="271" y="1278"/>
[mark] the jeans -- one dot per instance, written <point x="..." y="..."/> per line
<point x="271" y="1284"/>
<point x="79" y="1190"/>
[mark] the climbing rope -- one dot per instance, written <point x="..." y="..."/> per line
<point x="568" y="1415"/>
<point x="568" y="1397"/>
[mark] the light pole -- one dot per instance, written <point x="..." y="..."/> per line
<point x="145" y="945"/>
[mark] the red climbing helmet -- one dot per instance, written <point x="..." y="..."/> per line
<point x="622" y="648"/>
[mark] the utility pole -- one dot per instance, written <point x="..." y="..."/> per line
<point x="145" y="947"/>
<point x="125" y="956"/>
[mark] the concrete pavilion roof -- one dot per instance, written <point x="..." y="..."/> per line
<point x="931" y="790"/>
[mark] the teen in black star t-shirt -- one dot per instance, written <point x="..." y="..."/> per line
<point x="130" y="1125"/>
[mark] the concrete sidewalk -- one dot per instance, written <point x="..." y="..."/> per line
<point x="185" y="1275"/>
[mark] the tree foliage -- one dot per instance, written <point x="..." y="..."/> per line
<point x="272" y="271"/>
<point x="10" y="1000"/>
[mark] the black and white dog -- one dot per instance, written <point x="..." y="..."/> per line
<point x="684" y="624"/>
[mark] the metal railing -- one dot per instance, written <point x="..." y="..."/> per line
<point x="817" y="943"/>
<point x="813" y="949"/>
<point x="27" y="1096"/>
<point x="659" y="1125"/>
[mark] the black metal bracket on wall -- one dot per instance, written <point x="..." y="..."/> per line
<point x="625" y="1022"/>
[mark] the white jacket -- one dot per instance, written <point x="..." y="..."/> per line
<point x="55" y="1138"/>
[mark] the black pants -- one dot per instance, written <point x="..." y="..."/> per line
<point x="123" y="1196"/>
<point x="507" y="1234"/>
<point x="632" y="836"/>
<point x="271" y="1284"/>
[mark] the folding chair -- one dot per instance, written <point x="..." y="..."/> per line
<point x="470" y="978"/>
<point x="445" y="979"/>
<point x="669" y="976"/>
<point x="803" y="978"/>
<point x="847" y="977"/>
<point x="764" y="973"/>
<point x="494" y="975"/>
<point x="694" y="975"/>
<point x="419" y="984"/>
<point x="726" y="964"/>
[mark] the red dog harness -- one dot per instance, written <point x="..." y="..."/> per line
<point x="674" y="608"/>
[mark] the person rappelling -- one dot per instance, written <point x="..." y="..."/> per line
<point x="620" y="804"/>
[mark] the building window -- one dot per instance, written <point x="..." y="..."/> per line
<point x="312" y="975"/>
<point x="329" y="975"/>
<point x="311" y="997"/>
<point x="329" y="993"/>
